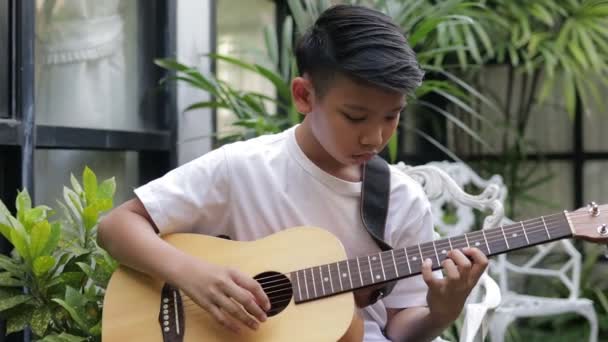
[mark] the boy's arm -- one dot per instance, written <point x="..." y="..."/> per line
<point x="446" y="298"/>
<point x="414" y="324"/>
<point x="127" y="233"/>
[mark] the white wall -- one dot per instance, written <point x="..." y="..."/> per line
<point x="193" y="43"/>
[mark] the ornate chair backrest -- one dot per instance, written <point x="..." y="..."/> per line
<point x="444" y="191"/>
<point x="444" y="184"/>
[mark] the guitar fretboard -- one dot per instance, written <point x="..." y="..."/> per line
<point x="348" y="275"/>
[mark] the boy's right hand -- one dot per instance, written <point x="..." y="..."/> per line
<point x="228" y="295"/>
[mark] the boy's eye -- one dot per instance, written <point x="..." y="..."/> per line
<point x="391" y="118"/>
<point x="352" y="118"/>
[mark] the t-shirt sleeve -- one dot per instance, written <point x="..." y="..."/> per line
<point x="410" y="222"/>
<point x="192" y="197"/>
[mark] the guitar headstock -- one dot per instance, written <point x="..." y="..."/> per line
<point x="590" y="223"/>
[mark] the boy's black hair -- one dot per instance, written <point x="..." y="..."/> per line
<point x="360" y="43"/>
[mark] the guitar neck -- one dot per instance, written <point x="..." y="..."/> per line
<point x="352" y="274"/>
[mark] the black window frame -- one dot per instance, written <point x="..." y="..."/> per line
<point x="20" y="136"/>
<point x="4" y="58"/>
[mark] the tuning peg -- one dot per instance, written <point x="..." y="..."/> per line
<point x="594" y="209"/>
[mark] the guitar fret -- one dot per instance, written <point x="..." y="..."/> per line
<point x="545" y="224"/>
<point x="444" y="249"/>
<point x="486" y="240"/>
<point x="467" y="240"/>
<point x="524" y="229"/>
<point x="450" y="242"/>
<point x="330" y="279"/>
<point x="299" y="286"/>
<point x="349" y="275"/>
<point x="371" y="272"/>
<point x="359" y="267"/>
<point x="436" y="255"/>
<point x="407" y="258"/>
<point x="382" y="265"/>
<point x="322" y="280"/>
<point x="306" y="284"/>
<point x="340" y="276"/>
<point x="314" y="285"/>
<point x="421" y="256"/>
<point x="504" y="236"/>
<point x="394" y="262"/>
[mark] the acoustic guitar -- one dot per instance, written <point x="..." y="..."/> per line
<point x="308" y="279"/>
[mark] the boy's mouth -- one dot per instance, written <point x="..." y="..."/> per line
<point x="363" y="157"/>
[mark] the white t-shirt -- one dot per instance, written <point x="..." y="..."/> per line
<point x="248" y="190"/>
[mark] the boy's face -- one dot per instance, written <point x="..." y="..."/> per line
<point x="350" y="123"/>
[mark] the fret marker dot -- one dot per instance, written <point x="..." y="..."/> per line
<point x="477" y="243"/>
<point x="377" y="276"/>
<point x="343" y="275"/>
<point x="444" y="251"/>
<point x="414" y="258"/>
<point x="374" y="258"/>
<point x="514" y="234"/>
<point x="326" y="279"/>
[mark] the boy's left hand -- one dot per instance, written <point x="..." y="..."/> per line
<point x="446" y="296"/>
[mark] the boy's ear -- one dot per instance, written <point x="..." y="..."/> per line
<point x="303" y="94"/>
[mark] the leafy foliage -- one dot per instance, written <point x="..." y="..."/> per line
<point x="58" y="262"/>
<point x="423" y="19"/>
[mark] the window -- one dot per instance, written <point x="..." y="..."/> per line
<point x="54" y="166"/>
<point x="94" y="66"/>
<point x="240" y="34"/>
<point x="98" y="98"/>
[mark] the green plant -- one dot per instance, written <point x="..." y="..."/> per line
<point x="256" y="114"/>
<point x="421" y="18"/>
<point x="58" y="262"/>
<point x="551" y="50"/>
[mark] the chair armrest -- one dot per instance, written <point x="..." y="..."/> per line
<point x="475" y="314"/>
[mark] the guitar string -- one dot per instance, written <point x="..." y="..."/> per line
<point x="510" y="228"/>
<point x="496" y="238"/>
<point x="365" y="271"/>
<point x="192" y="313"/>
<point x="375" y="269"/>
<point x="428" y="246"/>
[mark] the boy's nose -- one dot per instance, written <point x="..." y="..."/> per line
<point x="372" y="138"/>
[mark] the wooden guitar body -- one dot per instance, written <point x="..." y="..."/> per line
<point x="133" y="307"/>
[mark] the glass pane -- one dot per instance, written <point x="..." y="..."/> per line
<point x="53" y="168"/>
<point x="595" y="124"/>
<point x="554" y="195"/>
<point x="240" y="34"/>
<point x="4" y="66"/>
<point x="549" y="127"/>
<point x="595" y="182"/>
<point x="93" y="65"/>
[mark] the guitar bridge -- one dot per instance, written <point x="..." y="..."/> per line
<point x="171" y="314"/>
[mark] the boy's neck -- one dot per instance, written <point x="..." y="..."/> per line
<point x="315" y="152"/>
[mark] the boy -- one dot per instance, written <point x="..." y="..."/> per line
<point x="356" y="69"/>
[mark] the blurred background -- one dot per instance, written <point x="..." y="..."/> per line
<point x="513" y="88"/>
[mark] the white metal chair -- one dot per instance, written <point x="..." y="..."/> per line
<point x="443" y="183"/>
<point x="517" y="305"/>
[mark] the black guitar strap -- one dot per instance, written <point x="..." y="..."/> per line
<point x="375" y="195"/>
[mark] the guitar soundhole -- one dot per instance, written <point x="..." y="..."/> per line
<point x="278" y="289"/>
